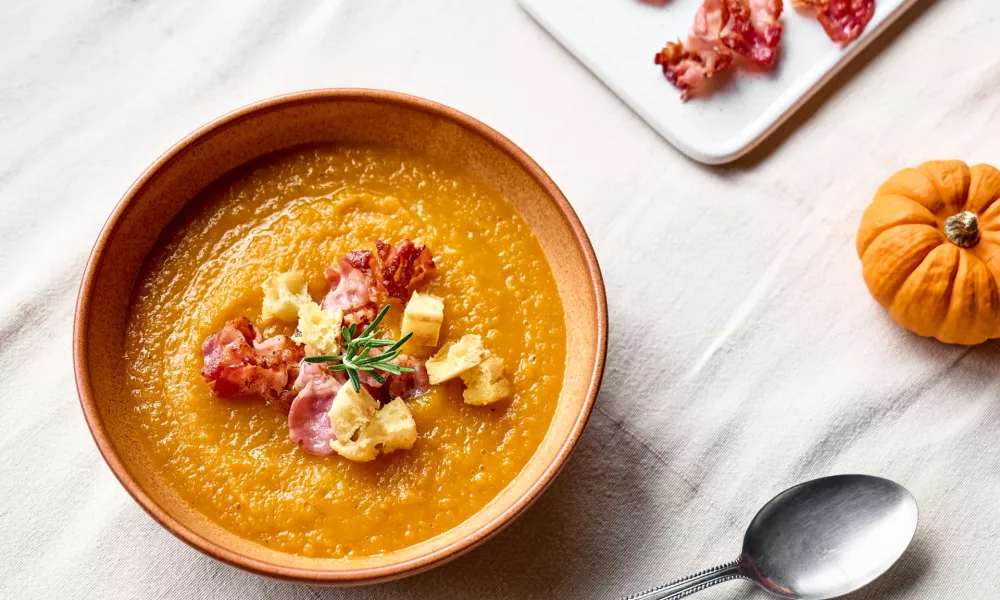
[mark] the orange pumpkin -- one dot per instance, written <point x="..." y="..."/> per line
<point x="929" y="245"/>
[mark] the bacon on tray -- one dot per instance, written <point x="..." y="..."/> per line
<point x="239" y="363"/>
<point x="843" y="20"/>
<point x="752" y="29"/>
<point x="722" y="28"/>
<point x="765" y="35"/>
<point x="689" y="66"/>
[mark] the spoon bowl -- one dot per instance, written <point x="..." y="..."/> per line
<point x="818" y="540"/>
<point x="829" y="537"/>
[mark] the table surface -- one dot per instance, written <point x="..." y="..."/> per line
<point x="762" y="361"/>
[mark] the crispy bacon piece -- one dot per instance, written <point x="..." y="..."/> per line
<point x="280" y="347"/>
<point x="843" y="20"/>
<point x="750" y="28"/>
<point x="308" y="419"/>
<point x="360" y="259"/>
<point x="404" y="385"/>
<point x="408" y="385"/>
<point x="690" y="66"/>
<point x="316" y="387"/>
<point x="352" y="289"/>
<point x="239" y="363"/>
<point x="764" y="18"/>
<point x="303" y="373"/>
<point x="402" y="268"/>
<point x="359" y="279"/>
<point x="747" y="27"/>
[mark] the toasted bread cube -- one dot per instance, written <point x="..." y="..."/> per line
<point x="362" y="450"/>
<point x="486" y="383"/>
<point x="351" y="412"/>
<point x="319" y="328"/>
<point x="393" y="427"/>
<point x="454" y="358"/>
<point x="284" y="293"/>
<point x="423" y="316"/>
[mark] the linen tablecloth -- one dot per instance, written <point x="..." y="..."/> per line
<point x="745" y="353"/>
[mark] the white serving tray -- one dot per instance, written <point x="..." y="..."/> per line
<point x="617" y="40"/>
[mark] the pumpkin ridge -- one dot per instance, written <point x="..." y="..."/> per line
<point x="989" y="219"/>
<point x="990" y="266"/>
<point x="888" y="229"/>
<point x="951" y="282"/>
<point x="984" y="180"/>
<point x="980" y="210"/>
<point x="941" y="173"/>
<point x="879" y="284"/>
<point x="920" y="215"/>
<point x="960" y="327"/>
<point x="898" y="185"/>
<point x="949" y="292"/>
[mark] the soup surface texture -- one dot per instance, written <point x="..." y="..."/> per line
<point x="302" y="209"/>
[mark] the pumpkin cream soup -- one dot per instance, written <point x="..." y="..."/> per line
<point x="341" y="352"/>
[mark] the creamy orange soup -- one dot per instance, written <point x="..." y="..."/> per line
<point x="232" y="458"/>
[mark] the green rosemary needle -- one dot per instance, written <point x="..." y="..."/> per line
<point x="356" y="356"/>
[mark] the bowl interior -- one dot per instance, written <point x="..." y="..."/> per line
<point x="330" y="116"/>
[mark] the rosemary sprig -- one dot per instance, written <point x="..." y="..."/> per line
<point x="356" y="356"/>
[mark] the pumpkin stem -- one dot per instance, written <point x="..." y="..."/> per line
<point x="962" y="229"/>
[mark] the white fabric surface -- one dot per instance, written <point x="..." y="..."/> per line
<point x="772" y="363"/>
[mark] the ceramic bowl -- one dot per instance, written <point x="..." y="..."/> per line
<point x="330" y="116"/>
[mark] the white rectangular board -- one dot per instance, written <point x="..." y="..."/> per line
<point x="617" y="40"/>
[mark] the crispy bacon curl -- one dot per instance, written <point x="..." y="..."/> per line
<point x="405" y="385"/>
<point x="360" y="280"/>
<point x="402" y="268"/>
<point x="843" y="20"/>
<point x="239" y="363"/>
<point x="690" y="66"/>
<point x="722" y="29"/>
<point x="351" y="288"/>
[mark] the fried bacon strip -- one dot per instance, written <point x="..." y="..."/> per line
<point x="762" y="42"/>
<point x="239" y="363"/>
<point x="689" y="66"/>
<point x="352" y="289"/>
<point x="404" y="385"/>
<point x="408" y="385"/>
<point x="316" y="387"/>
<point x="843" y="20"/>
<point x="313" y="393"/>
<point x="360" y="279"/>
<point x="722" y="28"/>
<point x="402" y="268"/>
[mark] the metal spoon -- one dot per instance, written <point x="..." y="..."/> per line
<point x="818" y="540"/>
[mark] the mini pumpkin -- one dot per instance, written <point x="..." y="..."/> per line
<point x="930" y="250"/>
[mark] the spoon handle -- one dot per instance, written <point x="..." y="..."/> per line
<point x="692" y="583"/>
